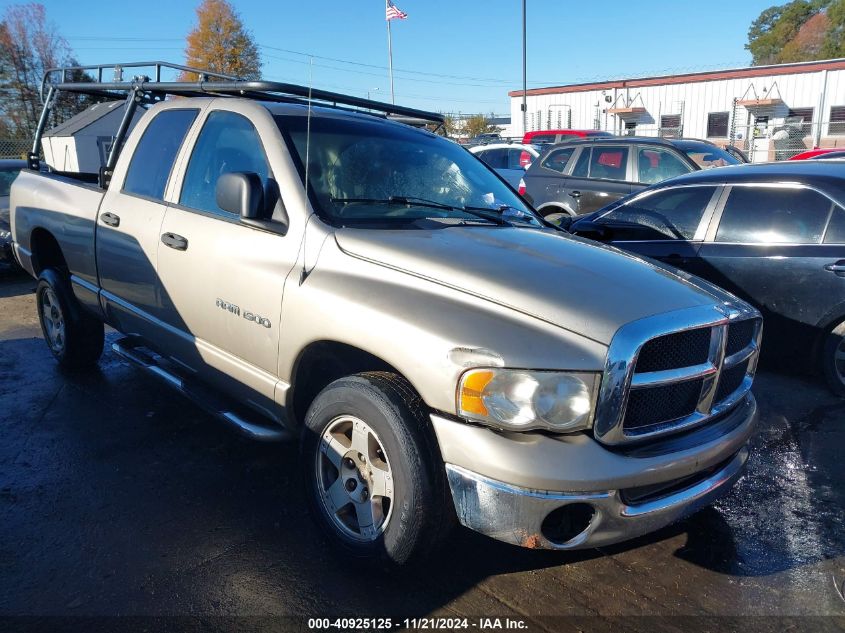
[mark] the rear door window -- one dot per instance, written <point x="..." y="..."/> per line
<point x="609" y="163"/>
<point x="655" y="164"/>
<point x="153" y="158"/>
<point x="496" y="158"/>
<point x="558" y="159"/>
<point x="582" y="167"/>
<point x="671" y="214"/>
<point x="773" y="215"/>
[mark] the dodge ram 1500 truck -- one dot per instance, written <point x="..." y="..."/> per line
<point x="307" y="268"/>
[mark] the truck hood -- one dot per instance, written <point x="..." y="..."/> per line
<point x="587" y="288"/>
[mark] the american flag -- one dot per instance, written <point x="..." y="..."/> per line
<point x="392" y="12"/>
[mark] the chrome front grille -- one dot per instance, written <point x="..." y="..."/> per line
<point x="672" y="351"/>
<point x="659" y="381"/>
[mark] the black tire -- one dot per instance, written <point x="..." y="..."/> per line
<point x="422" y="509"/>
<point x="834" y="371"/>
<point x="81" y="344"/>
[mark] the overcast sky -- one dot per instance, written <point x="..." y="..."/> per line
<point x="462" y="56"/>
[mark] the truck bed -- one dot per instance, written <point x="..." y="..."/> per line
<point x="66" y="208"/>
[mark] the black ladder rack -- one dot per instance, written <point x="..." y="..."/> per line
<point x="211" y="84"/>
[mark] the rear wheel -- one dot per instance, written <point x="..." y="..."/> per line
<point x="375" y="479"/>
<point x="833" y="359"/>
<point x="74" y="337"/>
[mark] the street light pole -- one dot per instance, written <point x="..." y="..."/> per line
<point x="524" y="70"/>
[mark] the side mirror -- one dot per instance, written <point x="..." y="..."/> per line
<point x="241" y="193"/>
<point x="565" y="222"/>
<point x="590" y="230"/>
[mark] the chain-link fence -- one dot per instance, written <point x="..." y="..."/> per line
<point x="653" y="130"/>
<point x="14" y="148"/>
<point x="763" y="141"/>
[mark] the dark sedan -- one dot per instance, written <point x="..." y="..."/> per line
<point x="773" y="234"/>
<point x="9" y="170"/>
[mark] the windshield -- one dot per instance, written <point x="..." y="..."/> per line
<point x="707" y="156"/>
<point x="364" y="171"/>
<point x="7" y="177"/>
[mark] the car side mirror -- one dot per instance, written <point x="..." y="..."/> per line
<point x="241" y="193"/>
<point x="565" y="222"/>
<point x="591" y="230"/>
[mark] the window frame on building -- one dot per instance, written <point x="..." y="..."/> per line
<point x="711" y="124"/>
<point x="670" y="122"/>
<point x="839" y="121"/>
<point x="806" y="122"/>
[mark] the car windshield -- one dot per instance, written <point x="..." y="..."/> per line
<point x="369" y="171"/>
<point x="7" y="176"/>
<point x="707" y="156"/>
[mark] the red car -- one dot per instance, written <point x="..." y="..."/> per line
<point x="817" y="153"/>
<point x="560" y="136"/>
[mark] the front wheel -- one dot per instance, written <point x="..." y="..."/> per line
<point x="833" y="359"/>
<point x="375" y="480"/>
<point x="74" y="337"/>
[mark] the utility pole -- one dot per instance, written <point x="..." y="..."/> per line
<point x="524" y="71"/>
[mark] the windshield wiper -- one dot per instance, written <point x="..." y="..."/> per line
<point x="398" y="200"/>
<point x="500" y="210"/>
<point x="422" y="202"/>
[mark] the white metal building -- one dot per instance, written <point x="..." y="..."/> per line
<point x="771" y="112"/>
<point x="82" y="143"/>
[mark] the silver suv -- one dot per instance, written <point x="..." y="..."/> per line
<point x="378" y="294"/>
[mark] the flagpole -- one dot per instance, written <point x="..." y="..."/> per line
<point x="390" y="62"/>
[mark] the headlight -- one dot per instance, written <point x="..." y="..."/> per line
<point x="521" y="400"/>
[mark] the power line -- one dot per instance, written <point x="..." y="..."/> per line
<point x="294" y="52"/>
<point x="415" y="72"/>
<point x="364" y="72"/>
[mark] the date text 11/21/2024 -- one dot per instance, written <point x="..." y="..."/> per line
<point x="448" y="624"/>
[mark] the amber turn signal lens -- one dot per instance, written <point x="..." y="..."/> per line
<point x="472" y="389"/>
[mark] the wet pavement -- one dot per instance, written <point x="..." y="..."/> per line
<point x="119" y="497"/>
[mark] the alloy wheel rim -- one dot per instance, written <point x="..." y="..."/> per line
<point x="354" y="478"/>
<point x="53" y="320"/>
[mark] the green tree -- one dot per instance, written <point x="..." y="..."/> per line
<point x="834" y="41"/>
<point x="775" y="28"/>
<point x="478" y="124"/>
<point x="30" y="44"/>
<point x="220" y="43"/>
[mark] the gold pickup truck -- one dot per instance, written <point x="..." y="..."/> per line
<point x="307" y="267"/>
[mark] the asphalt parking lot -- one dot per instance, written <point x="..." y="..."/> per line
<point x="119" y="497"/>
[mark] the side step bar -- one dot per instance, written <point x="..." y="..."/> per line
<point x="227" y="410"/>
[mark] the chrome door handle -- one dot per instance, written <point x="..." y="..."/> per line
<point x="837" y="268"/>
<point x="174" y="241"/>
<point x="111" y="219"/>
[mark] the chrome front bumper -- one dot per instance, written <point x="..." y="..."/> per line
<point x="505" y="485"/>
<point x="516" y="515"/>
